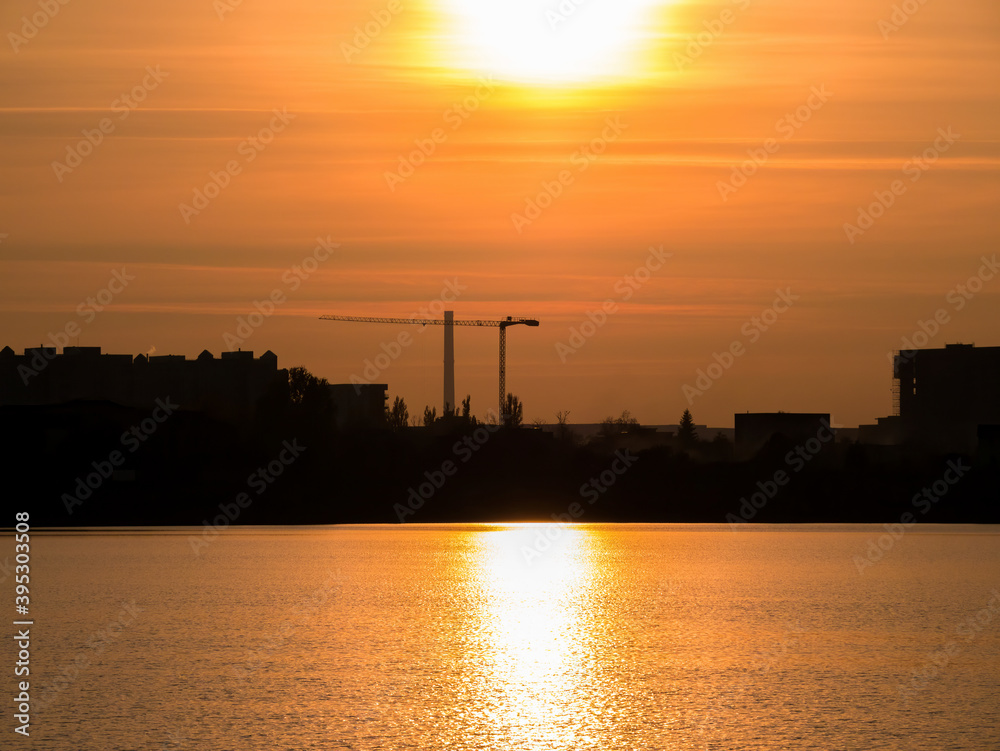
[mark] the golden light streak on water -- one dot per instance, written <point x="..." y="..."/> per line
<point x="535" y="623"/>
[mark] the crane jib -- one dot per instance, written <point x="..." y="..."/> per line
<point x="434" y="321"/>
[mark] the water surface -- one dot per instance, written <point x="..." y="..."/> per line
<point x="497" y="637"/>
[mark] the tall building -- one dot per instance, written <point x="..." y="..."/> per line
<point x="943" y="395"/>
<point x="227" y="387"/>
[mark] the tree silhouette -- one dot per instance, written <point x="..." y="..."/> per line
<point x="608" y="429"/>
<point x="562" y="425"/>
<point x="430" y="415"/>
<point x="467" y="415"/>
<point x="310" y="407"/>
<point x="686" y="433"/>
<point x="626" y="422"/>
<point x="398" y="416"/>
<point x="306" y="389"/>
<point x="613" y="426"/>
<point x="513" y="412"/>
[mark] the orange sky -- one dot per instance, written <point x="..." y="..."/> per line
<point x="682" y="126"/>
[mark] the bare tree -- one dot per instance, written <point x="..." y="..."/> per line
<point x="562" y="425"/>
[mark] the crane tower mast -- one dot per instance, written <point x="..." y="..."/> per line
<point x="449" y="344"/>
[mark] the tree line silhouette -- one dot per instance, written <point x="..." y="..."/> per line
<point x="192" y="463"/>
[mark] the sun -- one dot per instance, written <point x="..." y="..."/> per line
<point x="549" y="41"/>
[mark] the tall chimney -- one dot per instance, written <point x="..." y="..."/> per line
<point x="449" y="360"/>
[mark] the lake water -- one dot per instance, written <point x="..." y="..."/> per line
<point x="486" y="637"/>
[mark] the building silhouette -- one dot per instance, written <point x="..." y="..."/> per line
<point x="887" y="431"/>
<point x="227" y="388"/>
<point x="942" y="396"/>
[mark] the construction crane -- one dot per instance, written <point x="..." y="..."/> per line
<point x="449" y="345"/>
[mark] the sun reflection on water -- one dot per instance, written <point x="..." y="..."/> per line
<point x="534" y="626"/>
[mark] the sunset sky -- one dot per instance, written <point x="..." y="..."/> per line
<point x="509" y="98"/>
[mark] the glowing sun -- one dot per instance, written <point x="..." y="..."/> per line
<point x="549" y="41"/>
